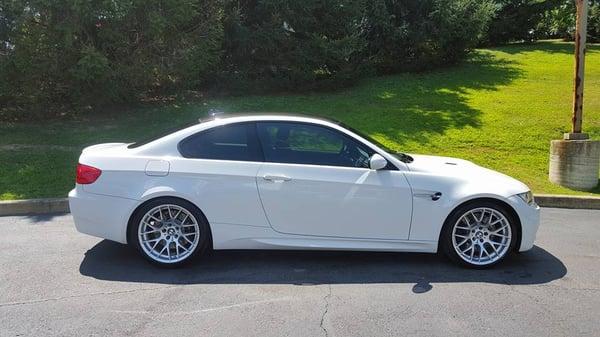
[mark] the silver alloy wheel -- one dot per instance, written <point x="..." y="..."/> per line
<point x="168" y="233"/>
<point x="481" y="236"/>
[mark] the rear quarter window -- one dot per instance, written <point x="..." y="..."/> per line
<point x="228" y="142"/>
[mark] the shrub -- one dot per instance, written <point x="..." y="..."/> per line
<point x="292" y="45"/>
<point x="83" y="53"/>
<point x="416" y="35"/>
<point x="61" y="55"/>
<point x="559" y="22"/>
<point x="518" y="20"/>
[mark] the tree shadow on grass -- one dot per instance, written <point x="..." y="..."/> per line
<point x="115" y="262"/>
<point x="407" y="107"/>
<point x="552" y="47"/>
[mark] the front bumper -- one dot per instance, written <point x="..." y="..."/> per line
<point x="530" y="221"/>
<point x="100" y="215"/>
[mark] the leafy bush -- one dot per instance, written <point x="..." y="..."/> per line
<point x="60" y="55"/>
<point x="517" y="20"/>
<point x="83" y="53"/>
<point x="559" y="22"/>
<point x="416" y="35"/>
<point x="292" y="45"/>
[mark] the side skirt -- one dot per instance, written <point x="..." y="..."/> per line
<point x="229" y="236"/>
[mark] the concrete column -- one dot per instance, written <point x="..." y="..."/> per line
<point x="575" y="163"/>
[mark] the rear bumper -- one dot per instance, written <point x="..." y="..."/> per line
<point x="100" y="215"/>
<point x="530" y="221"/>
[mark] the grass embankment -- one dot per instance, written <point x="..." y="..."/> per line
<point x="500" y="109"/>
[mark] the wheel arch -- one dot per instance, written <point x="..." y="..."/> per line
<point x="166" y="196"/>
<point x="502" y="203"/>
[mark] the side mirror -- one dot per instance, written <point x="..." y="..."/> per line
<point x="377" y="162"/>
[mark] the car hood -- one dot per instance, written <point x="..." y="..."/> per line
<point x="464" y="170"/>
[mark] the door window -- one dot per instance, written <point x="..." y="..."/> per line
<point x="303" y="143"/>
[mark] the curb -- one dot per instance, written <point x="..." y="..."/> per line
<point x="567" y="201"/>
<point x="34" y="206"/>
<point x="61" y="205"/>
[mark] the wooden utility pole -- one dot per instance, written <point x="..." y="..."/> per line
<point x="575" y="159"/>
<point x="580" y="35"/>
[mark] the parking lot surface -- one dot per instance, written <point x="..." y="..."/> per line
<point x="55" y="281"/>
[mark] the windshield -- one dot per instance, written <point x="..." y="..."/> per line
<point x="403" y="157"/>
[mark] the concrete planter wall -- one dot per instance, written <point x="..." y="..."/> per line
<point x="575" y="163"/>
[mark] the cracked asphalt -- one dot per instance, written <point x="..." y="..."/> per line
<point x="57" y="282"/>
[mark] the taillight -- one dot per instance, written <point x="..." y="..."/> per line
<point x="87" y="174"/>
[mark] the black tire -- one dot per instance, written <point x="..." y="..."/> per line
<point x="446" y="243"/>
<point x="204" y="237"/>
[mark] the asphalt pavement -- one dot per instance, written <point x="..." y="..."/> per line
<point x="57" y="282"/>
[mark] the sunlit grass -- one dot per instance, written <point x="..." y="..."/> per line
<point x="500" y="109"/>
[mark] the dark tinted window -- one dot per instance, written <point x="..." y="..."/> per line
<point x="154" y="137"/>
<point x="303" y="143"/>
<point x="228" y="142"/>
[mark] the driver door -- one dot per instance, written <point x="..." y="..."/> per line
<point x="316" y="181"/>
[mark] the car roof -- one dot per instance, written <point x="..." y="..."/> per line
<point x="270" y="116"/>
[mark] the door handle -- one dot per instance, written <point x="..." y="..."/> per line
<point x="270" y="177"/>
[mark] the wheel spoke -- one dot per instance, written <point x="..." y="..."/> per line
<point x="495" y="222"/>
<point x="500" y="235"/>
<point x="156" y="243"/>
<point x="186" y="239"/>
<point x="482" y="215"/>
<point x="494" y="248"/>
<point x="152" y="240"/>
<point x="155" y="218"/>
<point x="177" y="215"/>
<point x="462" y="242"/>
<point x="162" y="250"/>
<point x="499" y="229"/>
<point x="151" y="231"/>
<point x="473" y="215"/>
<point x="485" y="249"/>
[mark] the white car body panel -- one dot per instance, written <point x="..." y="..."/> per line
<point x="320" y="207"/>
<point x="305" y="204"/>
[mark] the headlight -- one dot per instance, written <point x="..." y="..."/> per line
<point x="527" y="197"/>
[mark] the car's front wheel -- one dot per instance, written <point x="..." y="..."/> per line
<point x="169" y="231"/>
<point x="479" y="234"/>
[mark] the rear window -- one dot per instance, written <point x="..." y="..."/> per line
<point x="159" y="135"/>
<point x="228" y="142"/>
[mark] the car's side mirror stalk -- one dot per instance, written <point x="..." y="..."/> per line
<point x="377" y="162"/>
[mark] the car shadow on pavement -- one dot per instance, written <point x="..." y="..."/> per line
<point x="115" y="262"/>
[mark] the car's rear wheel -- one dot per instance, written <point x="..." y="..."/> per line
<point x="169" y="231"/>
<point x="479" y="234"/>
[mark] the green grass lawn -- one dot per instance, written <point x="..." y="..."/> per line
<point x="500" y="109"/>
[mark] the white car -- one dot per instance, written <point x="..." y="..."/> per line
<point x="292" y="182"/>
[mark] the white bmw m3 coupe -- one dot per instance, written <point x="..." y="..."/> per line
<point x="292" y="182"/>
